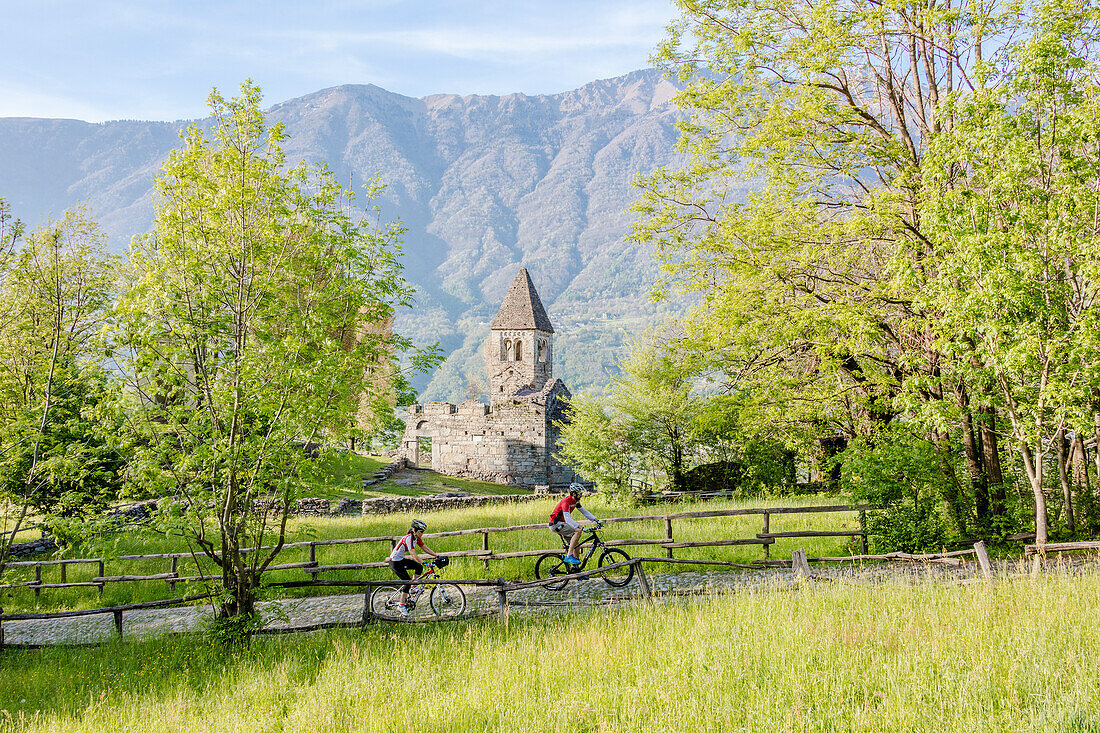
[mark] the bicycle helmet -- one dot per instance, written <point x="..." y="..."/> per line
<point x="576" y="489"/>
<point x="418" y="526"/>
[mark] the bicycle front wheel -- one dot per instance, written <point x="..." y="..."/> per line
<point x="619" y="576"/>
<point x="447" y="600"/>
<point x="551" y="565"/>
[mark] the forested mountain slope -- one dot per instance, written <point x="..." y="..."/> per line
<point x="484" y="184"/>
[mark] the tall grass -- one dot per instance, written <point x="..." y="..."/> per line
<point x="145" y="542"/>
<point x="1014" y="655"/>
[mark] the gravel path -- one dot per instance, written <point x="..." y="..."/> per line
<point x="348" y="609"/>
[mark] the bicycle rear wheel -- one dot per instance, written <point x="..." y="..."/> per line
<point x="551" y="565"/>
<point x="447" y="600"/>
<point x="383" y="602"/>
<point x="619" y="576"/>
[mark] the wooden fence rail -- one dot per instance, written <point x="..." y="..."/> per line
<point x="765" y="538"/>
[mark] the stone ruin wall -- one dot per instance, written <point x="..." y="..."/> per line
<point x="506" y="444"/>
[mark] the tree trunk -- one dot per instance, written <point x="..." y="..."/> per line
<point x="975" y="463"/>
<point x="831" y="448"/>
<point x="1096" y="418"/>
<point x="1061" y="447"/>
<point x="679" y="481"/>
<point x="1085" y="500"/>
<point x="951" y="492"/>
<point x="1034" y="466"/>
<point x="992" y="460"/>
<point x="242" y="601"/>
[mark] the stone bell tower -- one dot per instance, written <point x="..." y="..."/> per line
<point x="521" y="342"/>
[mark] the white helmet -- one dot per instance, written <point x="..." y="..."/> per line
<point x="576" y="489"/>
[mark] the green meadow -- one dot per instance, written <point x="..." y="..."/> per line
<point x="145" y="542"/>
<point x="1014" y="655"/>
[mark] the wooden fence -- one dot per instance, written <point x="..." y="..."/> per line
<point x="501" y="587"/>
<point x="765" y="538"/>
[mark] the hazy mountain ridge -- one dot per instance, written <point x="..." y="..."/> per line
<point x="483" y="183"/>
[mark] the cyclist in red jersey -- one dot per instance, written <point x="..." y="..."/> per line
<point x="401" y="565"/>
<point x="562" y="522"/>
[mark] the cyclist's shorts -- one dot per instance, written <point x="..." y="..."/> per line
<point x="564" y="528"/>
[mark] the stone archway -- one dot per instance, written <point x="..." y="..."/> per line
<point x="412" y="446"/>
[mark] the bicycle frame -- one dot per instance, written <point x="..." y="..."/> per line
<point x="416" y="591"/>
<point x="596" y="543"/>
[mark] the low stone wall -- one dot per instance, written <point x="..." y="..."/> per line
<point x="393" y="504"/>
<point x="311" y="506"/>
<point x="21" y="550"/>
<point x="386" y="471"/>
<point x="314" y="507"/>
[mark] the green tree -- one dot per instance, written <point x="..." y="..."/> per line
<point x="656" y="395"/>
<point x="797" y="220"/>
<point x="599" y="445"/>
<point x="11" y="230"/>
<point x="252" y="314"/>
<point x="648" y="424"/>
<point x="1011" y="206"/>
<point x="54" y="297"/>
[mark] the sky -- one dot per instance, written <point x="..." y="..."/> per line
<point x="158" y="59"/>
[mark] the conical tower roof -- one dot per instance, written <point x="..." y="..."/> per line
<point x="522" y="308"/>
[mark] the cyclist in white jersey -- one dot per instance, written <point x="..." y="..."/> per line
<point x="401" y="565"/>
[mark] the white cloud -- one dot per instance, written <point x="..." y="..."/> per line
<point x="158" y="60"/>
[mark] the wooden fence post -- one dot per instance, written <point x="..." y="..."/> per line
<point x="485" y="548"/>
<point x="767" y="529"/>
<point x="174" y="571"/>
<point x="863" y="528"/>
<point x="983" y="559"/>
<point x="643" y="581"/>
<point x="118" y="620"/>
<point x="38" y="580"/>
<point x="668" y="534"/>
<point x="313" y="553"/>
<point x="502" y="599"/>
<point x="799" y="564"/>
<point x="64" y="575"/>
<point x="1" y="627"/>
<point x="1037" y="563"/>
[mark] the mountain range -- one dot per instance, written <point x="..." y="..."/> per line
<point x="483" y="184"/>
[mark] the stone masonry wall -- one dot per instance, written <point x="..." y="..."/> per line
<point x="505" y="445"/>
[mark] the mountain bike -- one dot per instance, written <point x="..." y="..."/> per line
<point x="445" y="600"/>
<point x="552" y="564"/>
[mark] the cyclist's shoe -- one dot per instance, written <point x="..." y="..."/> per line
<point x="402" y="609"/>
<point x="570" y="560"/>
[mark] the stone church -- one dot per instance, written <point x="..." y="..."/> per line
<point x="512" y="439"/>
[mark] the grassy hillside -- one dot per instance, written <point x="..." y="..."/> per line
<point x="134" y="543"/>
<point x="1016" y="655"/>
<point x="341" y="476"/>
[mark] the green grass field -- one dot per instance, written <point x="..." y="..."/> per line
<point x="1017" y="655"/>
<point x="133" y="543"/>
<point x="342" y="477"/>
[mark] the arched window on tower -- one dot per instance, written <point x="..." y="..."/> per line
<point x="542" y="350"/>
<point x="519" y="350"/>
<point x="507" y="349"/>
